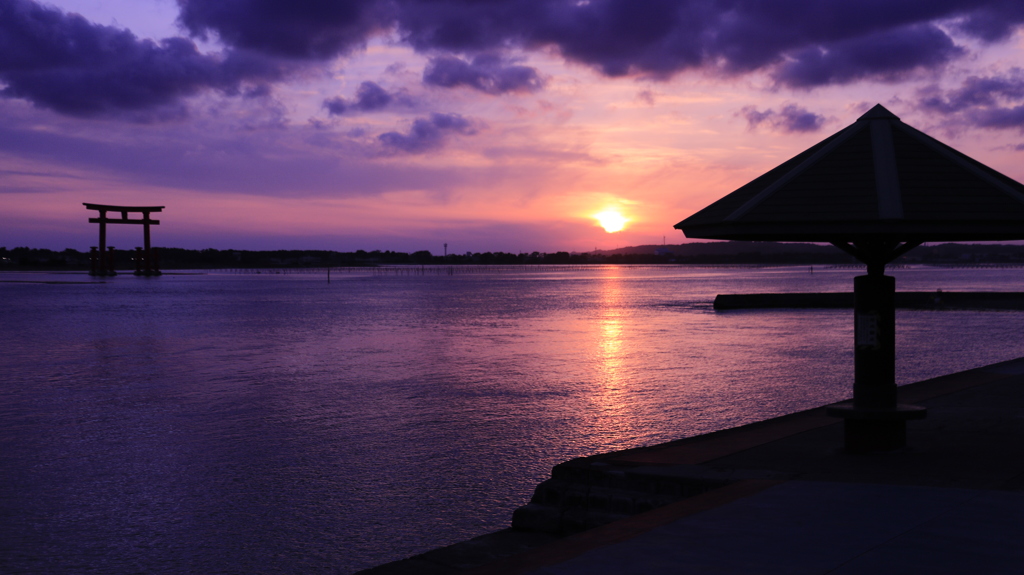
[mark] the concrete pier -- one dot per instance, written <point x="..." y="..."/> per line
<point x="783" y="496"/>
<point x="937" y="300"/>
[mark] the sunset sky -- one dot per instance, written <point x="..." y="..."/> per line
<point x="486" y="124"/>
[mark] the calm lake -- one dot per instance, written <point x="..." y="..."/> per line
<point x="241" y="423"/>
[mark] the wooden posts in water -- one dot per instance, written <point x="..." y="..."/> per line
<point x="102" y="258"/>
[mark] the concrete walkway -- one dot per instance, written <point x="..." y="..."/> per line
<point x="814" y="527"/>
<point x="951" y="502"/>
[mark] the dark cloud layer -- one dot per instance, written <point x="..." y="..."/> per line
<point x="791" y="118"/>
<point x="68" y="64"/>
<point x="815" y="41"/>
<point x="427" y="133"/>
<point x="992" y="21"/>
<point x="882" y="55"/>
<point x="488" y="73"/>
<point x="305" y="29"/>
<point x="65" y="63"/>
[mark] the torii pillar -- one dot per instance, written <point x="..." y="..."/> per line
<point x="102" y="262"/>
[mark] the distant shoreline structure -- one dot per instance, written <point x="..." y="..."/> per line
<point x="703" y="253"/>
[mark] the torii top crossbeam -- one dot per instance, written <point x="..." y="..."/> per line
<point x="124" y="211"/>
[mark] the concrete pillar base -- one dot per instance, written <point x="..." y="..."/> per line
<point x="875" y="429"/>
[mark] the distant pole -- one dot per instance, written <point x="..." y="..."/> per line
<point x="103" y="243"/>
<point x="446" y="249"/>
<point x="148" y="254"/>
<point x="110" y="261"/>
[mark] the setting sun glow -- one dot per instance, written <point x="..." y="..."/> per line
<point x="611" y="220"/>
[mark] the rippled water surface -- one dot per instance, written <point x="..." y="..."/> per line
<point x="279" y="423"/>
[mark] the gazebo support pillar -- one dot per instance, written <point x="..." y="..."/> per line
<point x="874" y="359"/>
<point x="874" y="421"/>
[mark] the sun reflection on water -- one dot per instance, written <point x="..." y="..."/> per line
<point x="614" y="385"/>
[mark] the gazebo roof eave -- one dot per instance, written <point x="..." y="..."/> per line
<point x="857" y="231"/>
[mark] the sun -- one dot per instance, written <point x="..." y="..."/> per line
<point x="611" y="220"/>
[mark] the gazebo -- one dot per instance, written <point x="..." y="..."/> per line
<point x="876" y="189"/>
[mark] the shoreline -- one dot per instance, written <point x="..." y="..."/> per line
<point x="586" y="504"/>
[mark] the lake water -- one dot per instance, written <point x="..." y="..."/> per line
<point x="223" y="423"/>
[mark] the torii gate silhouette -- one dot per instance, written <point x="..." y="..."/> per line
<point x="102" y="261"/>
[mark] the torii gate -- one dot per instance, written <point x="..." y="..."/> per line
<point x="102" y="261"/>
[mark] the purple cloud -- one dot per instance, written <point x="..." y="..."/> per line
<point x="427" y="133"/>
<point x="976" y="91"/>
<point x="487" y="73"/>
<point x="886" y="55"/>
<point x="791" y="118"/>
<point x="999" y="117"/>
<point x="985" y="102"/>
<point x="336" y="106"/>
<point x="65" y="63"/>
<point x="370" y="97"/>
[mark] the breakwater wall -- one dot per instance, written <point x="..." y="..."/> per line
<point x="936" y="300"/>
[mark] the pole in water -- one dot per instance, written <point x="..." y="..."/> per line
<point x="328" y="274"/>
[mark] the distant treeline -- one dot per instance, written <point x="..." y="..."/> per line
<point x="708" y="253"/>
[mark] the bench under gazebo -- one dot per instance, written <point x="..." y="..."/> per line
<point x="876" y="189"/>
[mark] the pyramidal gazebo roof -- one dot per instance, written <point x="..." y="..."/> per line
<point x="877" y="179"/>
